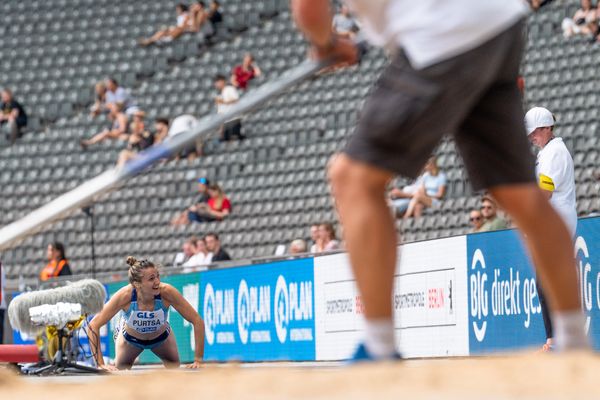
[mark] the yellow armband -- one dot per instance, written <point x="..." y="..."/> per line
<point x="546" y="183"/>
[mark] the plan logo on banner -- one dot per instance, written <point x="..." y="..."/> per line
<point x="502" y="294"/>
<point x="260" y="312"/>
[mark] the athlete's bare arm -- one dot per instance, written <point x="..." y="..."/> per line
<point x="183" y="307"/>
<point x="116" y="303"/>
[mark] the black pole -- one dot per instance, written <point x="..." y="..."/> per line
<point x="89" y="211"/>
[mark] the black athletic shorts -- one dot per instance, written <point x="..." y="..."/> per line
<point x="473" y="96"/>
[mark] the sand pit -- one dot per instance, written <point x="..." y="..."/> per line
<point x="521" y="376"/>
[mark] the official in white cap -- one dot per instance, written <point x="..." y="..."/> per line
<point x="556" y="178"/>
<point x="554" y="165"/>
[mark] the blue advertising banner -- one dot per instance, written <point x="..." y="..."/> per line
<point x="587" y="251"/>
<point x="504" y="308"/>
<point x="260" y="312"/>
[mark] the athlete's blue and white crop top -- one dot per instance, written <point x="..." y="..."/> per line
<point x="146" y="321"/>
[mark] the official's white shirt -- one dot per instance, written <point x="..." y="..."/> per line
<point x="431" y="31"/>
<point x="555" y="172"/>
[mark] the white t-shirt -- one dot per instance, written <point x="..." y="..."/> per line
<point x="122" y="95"/>
<point x="555" y="172"/>
<point x="431" y="31"/>
<point x="198" y="259"/>
<point x="229" y="93"/>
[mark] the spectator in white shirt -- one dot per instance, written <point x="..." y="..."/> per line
<point x="116" y="94"/>
<point x="184" y="22"/>
<point x="327" y="240"/>
<point x="188" y="250"/>
<point x="298" y="246"/>
<point x="228" y="96"/>
<point x="200" y="258"/>
<point x="344" y="24"/>
<point x="430" y="192"/>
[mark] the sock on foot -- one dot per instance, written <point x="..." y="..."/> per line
<point x="379" y="338"/>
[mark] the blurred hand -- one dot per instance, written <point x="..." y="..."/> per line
<point x="109" y="368"/>
<point x="196" y="364"/>
<point x="342" y="51"/>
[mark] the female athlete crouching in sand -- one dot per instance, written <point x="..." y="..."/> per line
<point x="144" y="304"/>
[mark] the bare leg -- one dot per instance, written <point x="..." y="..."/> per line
<point x="125" y="353"/>
<point x="548" y="241"/>
<point x="369" y="231"/>
<point x="168" y="353"/>
<point x="156" y="37"/>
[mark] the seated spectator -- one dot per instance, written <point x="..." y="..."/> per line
<point x="116" y="94"/>
<point x="245" y="72"/>
<point x="213" y="245"/>
<point x="99" y="99"/>
<point x="214" y="14"/>
<point x="344" y="24"/>
<point x="298" y="246"/>
<point x="228" y="96"/>
<point x="139" y="139"/>
<point x="161" y="129"/>
<point x="200" y="258"/>
<point x="430" y="192"/>
<point x="199" y="20"/>
<point x="476" y="220"/>
<point x="188" y="249"/>
<point x="314" y="235"/>
<point x="217" y="208"/>
<point x="489" y="211"/>
<point x="172" y="32"/>
<point x="537" y="4"/>
<point x="201" y="200"/>
<point x="584" y="21"/>
<point x="2" y="303"/>
<point x="12" y="116"/>
<point x="119" y="129"/>
<point x="326" y="240"/>
<point x="58" y="265"/>
<point x="399" y="199"/>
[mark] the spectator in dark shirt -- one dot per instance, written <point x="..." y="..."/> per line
<point x="213" y="245"/>
<point x="139" y="139"/>
<point x="12" y="116"/>
<point x="214" y="14"/>
<point x="201" y="200"/>
<point x="245" y="72"/>
<point x="161" y="129"/>
<point x="58" y="265"/>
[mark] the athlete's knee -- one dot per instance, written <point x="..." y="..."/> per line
<point x="349" y="177"/>
<point x="522" y="202"/>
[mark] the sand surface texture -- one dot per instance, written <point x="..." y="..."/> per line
<point x="574" y="376"/>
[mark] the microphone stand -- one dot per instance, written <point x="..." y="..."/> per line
<point x="89" y="211"/>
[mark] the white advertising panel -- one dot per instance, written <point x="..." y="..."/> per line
<point x="429" y="302"/>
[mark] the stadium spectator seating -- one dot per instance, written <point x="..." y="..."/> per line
<point x="275" y="178"/>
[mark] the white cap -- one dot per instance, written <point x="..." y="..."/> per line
<point x="538" y="117"/>
<point x="182" y="124"/>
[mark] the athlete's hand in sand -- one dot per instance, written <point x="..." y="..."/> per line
<point x="194" y="365"/>
<point x="109" y="368"/>
<point x="343" y="52"/>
